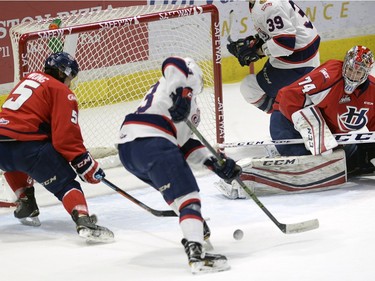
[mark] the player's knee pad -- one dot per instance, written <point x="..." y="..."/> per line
<point x="254" y="94"/>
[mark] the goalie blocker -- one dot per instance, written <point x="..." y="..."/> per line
<point x="288" y="174"/>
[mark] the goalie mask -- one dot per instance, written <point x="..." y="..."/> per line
<point x="195" y="78"/>
<point x="358" y="63"/>
<point x="64" y="62"/>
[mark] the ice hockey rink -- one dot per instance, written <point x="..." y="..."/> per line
<point x="147" y="247"/>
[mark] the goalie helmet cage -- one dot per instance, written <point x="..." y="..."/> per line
<point x="120" y="52"/>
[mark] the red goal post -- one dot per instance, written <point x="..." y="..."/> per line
<point x="120" y="52"/>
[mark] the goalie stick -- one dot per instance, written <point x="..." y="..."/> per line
<point x="285" y="228"/>
<point x="348" y="138"/>
<point x="158" y="213"/>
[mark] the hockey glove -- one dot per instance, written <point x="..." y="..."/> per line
<point x="245" y="50"/>
<point x="87" y="168"/>
<point x="235" y="46"/>
<point x="228" y="170"/>
<point x="314" y="130"/>
<point x="180" y="109"/>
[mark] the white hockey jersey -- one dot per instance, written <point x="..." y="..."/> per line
<point x="152" y="118"/>
<point x="291" y="40"/>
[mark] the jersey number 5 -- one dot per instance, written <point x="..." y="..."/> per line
<point x="21" y="94"/>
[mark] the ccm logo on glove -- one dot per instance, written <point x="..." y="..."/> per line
<point x="87" y="168"/>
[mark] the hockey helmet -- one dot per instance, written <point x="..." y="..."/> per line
<point x="195" y="78"/>
<point x="64" y="62"/>
<point x="358" y="64"/>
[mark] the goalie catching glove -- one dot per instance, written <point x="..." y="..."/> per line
<point x="228" y="170"/>
<point x="245" y="50"/>
<point x="180" y="109"/>
<point x="87" y="168"/>
<point x="310" y="123"/>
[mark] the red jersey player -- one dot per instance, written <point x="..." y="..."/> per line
<point x="336" y="97"/>
<point x="40" y="137"/>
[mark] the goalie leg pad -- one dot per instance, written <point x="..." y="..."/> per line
<point x="288" y="174"/>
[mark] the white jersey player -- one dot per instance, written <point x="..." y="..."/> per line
<point x="154" y="146"/>
<point x="290" y="41"/>
<point x="158" y="100"/>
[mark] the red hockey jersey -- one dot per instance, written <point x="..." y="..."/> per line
<point x="324" y="87"/>
<point x="42" y="108"/>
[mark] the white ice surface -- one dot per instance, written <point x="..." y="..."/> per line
<point x="148" y="247"/>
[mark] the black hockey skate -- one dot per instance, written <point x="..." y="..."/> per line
<point x="27" y="210"/>
<point x="201" y="262"/>
<point x="206" y="236"/>
<point x="87" y="228"/>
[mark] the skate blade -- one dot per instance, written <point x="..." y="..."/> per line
<point x="202" y="267"/>
<point x="96" y="236"/>
<point x="30" y="221"/>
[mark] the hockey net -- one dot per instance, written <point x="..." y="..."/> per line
<point x="120" y="52"/>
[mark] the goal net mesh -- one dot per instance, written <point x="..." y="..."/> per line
<point x="119" y="53"/>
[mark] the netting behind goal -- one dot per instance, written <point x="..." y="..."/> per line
<point x="120" y="52"/>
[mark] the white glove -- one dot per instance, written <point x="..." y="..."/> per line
<point x="310" y="123"/>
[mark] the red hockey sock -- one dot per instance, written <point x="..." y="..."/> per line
<point x="75" y="200"/>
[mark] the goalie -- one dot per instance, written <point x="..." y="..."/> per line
<point x="337" y="97"/>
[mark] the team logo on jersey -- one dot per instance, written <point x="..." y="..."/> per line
<point x="345" y="99"/>
<point x="353" y="119"/>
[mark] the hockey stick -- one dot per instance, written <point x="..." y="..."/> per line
<point x="229" y="38"/>
<point x="285" y="228"/>
<point x="158" y="213"/>
<point x="348" y="138"/>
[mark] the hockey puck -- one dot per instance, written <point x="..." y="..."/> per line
<point x="238" y="234"/>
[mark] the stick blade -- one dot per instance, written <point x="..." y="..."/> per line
<point x="166" y="213"/>
<point x="301" y="226"/>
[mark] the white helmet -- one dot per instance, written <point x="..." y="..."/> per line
<point x="358" y="63"/>
<point x="195" y="78"/>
